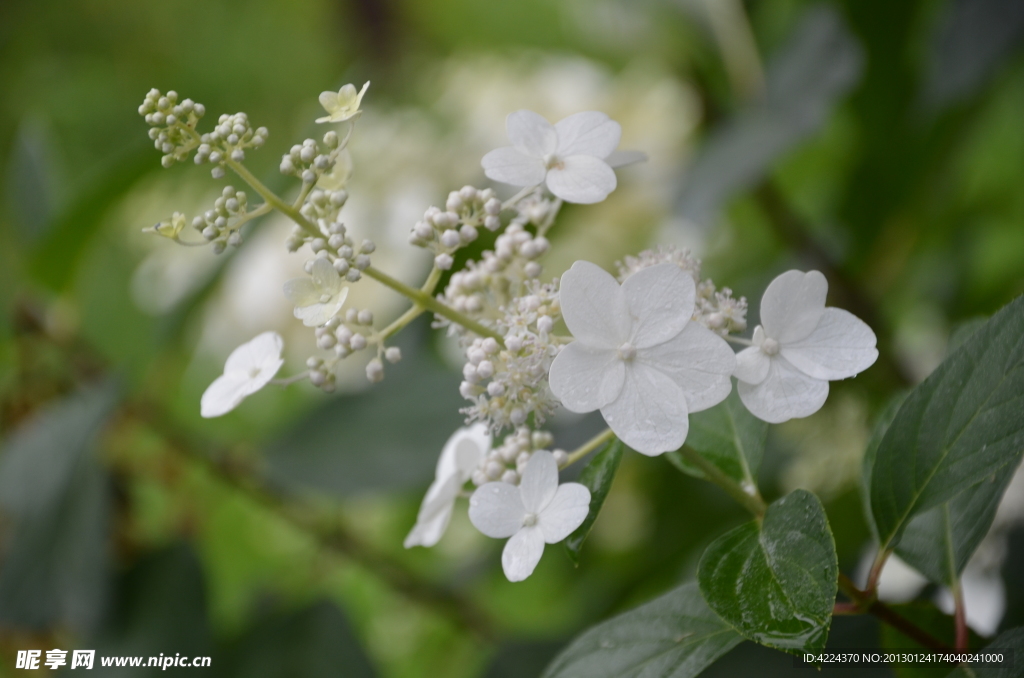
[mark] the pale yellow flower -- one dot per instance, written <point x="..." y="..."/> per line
<point x="343" y="104"/>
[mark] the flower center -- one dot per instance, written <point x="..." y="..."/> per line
<point x="324" y="298"/>
<point x="552" y="161"/>
<point x="770" y="346"/>
<point x="529" y="520"/>
<point x="627" y="351"/>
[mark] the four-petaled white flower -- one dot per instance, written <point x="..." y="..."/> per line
<point x="537" y="512"/>
<point x="460" y="456"/>
<point x="571" y="156"/>
<point x="318" y="298"/>
<point x="343" y="104"/>
<point x="637" y="357"/>
<point x="798" y="348"/>
<point x="247" y="370"/>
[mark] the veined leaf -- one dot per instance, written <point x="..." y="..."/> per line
<point x="728" y="436"/>
<point x="673" y="636"/>
<point x="775" y="581"/>
<point x="961" y="425"/>
<point x="596" y="477"/>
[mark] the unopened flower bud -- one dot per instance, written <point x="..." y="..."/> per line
<point x="393" y="354"/>
<point x="375" y="370"/>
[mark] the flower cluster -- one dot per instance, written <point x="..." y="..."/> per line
<point x="715" y="309"/>
<point x="309" y="161"/>
<point x="508" y="383"/>
<point x="229" y="140"/>
<point x="172" y="124"/>
<point x="442" y="232"/>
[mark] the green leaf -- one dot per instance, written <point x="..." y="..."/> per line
<point x="775" y="581"/>
<point x="1010" y="641"/>
<point x="673" y="636"/>
<point x="940" y="541"/>
<point x="388" y="437"/>
<point x="867" y="464"/>
<point x="57" y="495"/>
<point x="961" y="425"/>
<point x="596" y="477"/>
<point x="314" y="642"/>
<point x="728" y="436"/>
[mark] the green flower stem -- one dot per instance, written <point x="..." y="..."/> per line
<point x="429" y="303"/>
<point x="751" y="502"/>
<point x="420" y="298"/>
<point x="416" y="310"/>
<point x="589" y="446"/>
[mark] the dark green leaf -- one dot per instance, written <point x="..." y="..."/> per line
<point x="314" y="642"/>
<point x="674" y="636"/>
<point x="885" y="418"/>
<point x="32" y="179"/>
<point x="388" y="437"/>
<point x="940" y="541"/>
<point x="596" y="477"/>
<point x="160" y="608"/>
<point x="54" y="570"/>
<point x="1010" y="641"/>
<point x="820" y="63"/>
<point x="963" y="424"/>
<point x="775" y="581"/>
<point x="728" y="436"/>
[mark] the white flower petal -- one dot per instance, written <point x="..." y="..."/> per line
<point x="511" y="166"/>
<point x="539" y="482"/>
<point x="531" y="133"/>
<point x="330" y="101"/>
<point x="623" y="158"/>
<point x="315" y="315"/>
<point x="793" y="304"/>
<point x="585" y="378"/>
<point x="463" y="451"/>
<point x="522" y="553"/>
<point x="224" y="394"/>
<point x="496" y="509"/>
<point x="841" y="346"/>
<point x="325" y="277"/>
<point x="258" y="353"/>
<point x="698" y="361"/>
<point x="301" y="292"/>
<point x="660" y="300"/>
<point x="435" y="512"/>
<point x="786" y="393"/>
<point x="650" y="414"/>
<point x="567" y="511"/>
<point x="752" y="365"/>
<point x="593" y="306"/>
<point x="581" y="179"/>
<point x="587" y="133"/>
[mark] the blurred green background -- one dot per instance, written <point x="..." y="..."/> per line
<point x="880" y="142"/>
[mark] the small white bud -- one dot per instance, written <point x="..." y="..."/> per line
<point x="341" y="266"/>
<point x="357" y="342"/>
<point x="485" y="369"/>
<point x="532" y="269"/>
<point x="514" y="344"/>
<point x="561" y="457"/>
<point x="517" y="416"/>
<point x="510" y="477"/>
<point x="353" y="275"/>
<point x="423" y="230"/>
<point x="362" y="262"/>
<point x="454" y="203"/>
<point x="393" y="354"/>
<point x="495" y="389"/>
<point x="545" y="323"/>
<point x="235" y="239"/>
<point x="450" y="239"/>
<point x="367" y="247"/>
<point x="468" y="390"/>
<point x="467" y="234"/>
<point x="444" y="261"/>
<point x="308" y="176"/>
<point x="317" y="377"/>
<point x="338" y="198"/>
<point x="327" y="341"/>
<point x="336" y="241"/>
<point x="492" y="223"/>
<point x="479" y="478"/>
<point x="493" y="470"/>
<point x="375" y="370"/>
<point x="365" y="317"/>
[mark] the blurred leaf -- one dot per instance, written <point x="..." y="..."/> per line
<point x="930" y="619"/>
<point x="54" y="570"/>
<point x="819" y="64"/>
<point x="675" y="635"/>
<point x="32" y="178"/>
<point x="961" y="425"/>
<point x="964" y="331"/>
<point x="314" y="642"/>
<point x="523" y="658"/>
<point x="775" y="580"/>
<point x="971" y="41"/>
<point x="596" y="477"/>
<point x="728" y="436"/>
<point x="54" y="261"/>
<point x="1012" y="641"/>
<point x="1013" y="565"/>
<point x="41" y="455"/>
<point x="940" y="541"/>
<point x="385" y="438"/>
<point x="160" y="608"/>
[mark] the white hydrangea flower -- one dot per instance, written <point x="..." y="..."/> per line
<point x="569" y="156"/>
<point x="637" y="356"/>
<point x="539" y="511"/>
<point x="798" y="348"/>
<point x="247" y="370"/>
<point x="343" y="104"/>
<point x="460" y="456"/>
<point x="318" y="298"/>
